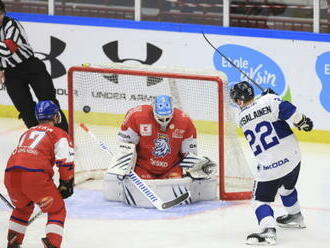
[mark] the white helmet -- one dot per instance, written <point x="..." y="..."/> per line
<point x="163" y="110"/>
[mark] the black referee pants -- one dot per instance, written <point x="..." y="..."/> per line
<point x="18" y="80"/>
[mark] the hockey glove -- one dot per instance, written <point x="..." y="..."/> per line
<point x="66" y="188"/>
<point x="305" y="124"/>
<point x="268" y="91"/>
<point x="123" y="162"/>
<point x="198" y="167"/>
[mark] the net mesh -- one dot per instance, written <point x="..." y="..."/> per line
<point x="101" y="98"/>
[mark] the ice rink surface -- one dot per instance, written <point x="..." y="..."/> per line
<point x="95" y="223"/>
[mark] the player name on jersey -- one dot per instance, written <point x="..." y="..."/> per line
<point x="251" y="116"/>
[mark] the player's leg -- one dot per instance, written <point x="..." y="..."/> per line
<point x="19" y="93"/>
<point x="289" y="197"/>
<point x="20" y="216"/>
<point x="264" y="194"/>
<point x="42" y="190"/>
<point x="47" y="244"/>
<point x="43" y="87"/>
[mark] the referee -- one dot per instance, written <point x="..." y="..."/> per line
<point x="20" y="70"/>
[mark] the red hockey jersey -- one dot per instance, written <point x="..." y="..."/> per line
<point x="40" y="148"/>
<point x="158" y="150"/>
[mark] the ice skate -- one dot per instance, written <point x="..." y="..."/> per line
<point x="267" y="237"/>
<point x="11" y="240"/>
<point x="291" y="221"/>
<point x="14" y="246"/>
<point x="47" y="243"/>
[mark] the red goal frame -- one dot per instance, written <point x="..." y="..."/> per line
<point x="216" y="79"/>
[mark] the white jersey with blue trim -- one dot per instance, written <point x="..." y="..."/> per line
<point x="265" y="126"/>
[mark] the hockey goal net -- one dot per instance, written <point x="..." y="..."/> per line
<point x="100" y="96"/>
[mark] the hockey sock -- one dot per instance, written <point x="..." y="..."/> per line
<point x="290" y="201"/>
<point x="55" y="239"/>
<point x="265" y="216"/>
<point x="18" y="223"/>
<point x="55" y="225"/>
<point x="15" y="237"/>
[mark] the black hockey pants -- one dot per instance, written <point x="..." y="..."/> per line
<point x="18" y="80"/>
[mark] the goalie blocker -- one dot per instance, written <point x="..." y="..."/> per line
<point x="200" y="181"/>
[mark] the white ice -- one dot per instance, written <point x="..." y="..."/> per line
<point x="93" y="222"/>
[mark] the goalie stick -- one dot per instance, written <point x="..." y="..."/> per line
<point x="138" y="183"/>
<point x="231" y="63"/>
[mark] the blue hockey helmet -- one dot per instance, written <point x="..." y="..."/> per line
<point x="242" y="91"/>
<point x="163" y="109"/>
<point x="46" y="110"/>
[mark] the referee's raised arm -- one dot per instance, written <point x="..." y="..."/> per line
<point x="20" y="70"/>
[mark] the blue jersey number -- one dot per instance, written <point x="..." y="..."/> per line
<point x="266" y="140"/>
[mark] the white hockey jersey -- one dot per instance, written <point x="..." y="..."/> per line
<point x="264" y="123"/>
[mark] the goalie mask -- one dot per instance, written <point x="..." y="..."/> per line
<point x="242" y="91"/>
<point x="163" y="110"/>
<point x="47" y="110"/>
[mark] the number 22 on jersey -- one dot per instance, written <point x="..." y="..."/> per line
<point x="262" y="137"/>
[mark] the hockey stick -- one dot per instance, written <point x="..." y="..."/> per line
<point x="4" y="199"/>
<point x="231" y="62"/>
<point x="8" y="203"/>
<point x="138" y="183"/>
<point x="40" y="212"/>
<point x="37" y="215"/>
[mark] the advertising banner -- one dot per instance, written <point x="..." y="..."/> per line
<point x="298" y="69"/>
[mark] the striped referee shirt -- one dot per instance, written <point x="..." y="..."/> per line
<point x="14" y="45"/>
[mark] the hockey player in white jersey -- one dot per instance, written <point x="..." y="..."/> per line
<point x="265" y="123"/>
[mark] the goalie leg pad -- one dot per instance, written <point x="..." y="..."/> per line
<point x="113" y="188"/>
<point x="166" y="189"/>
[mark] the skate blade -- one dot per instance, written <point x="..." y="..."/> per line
<point x="255" y="241"/>
<point x="292" y="225"/>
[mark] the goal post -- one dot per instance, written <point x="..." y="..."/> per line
<point x="100" y="96"/>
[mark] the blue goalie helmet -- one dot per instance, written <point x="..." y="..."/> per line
<point x="163" y="110"/>
<point x="46" y="110"/>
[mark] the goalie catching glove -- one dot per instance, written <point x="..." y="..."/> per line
<point x="124" y="161"/>
<point x="198" y="167"/>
